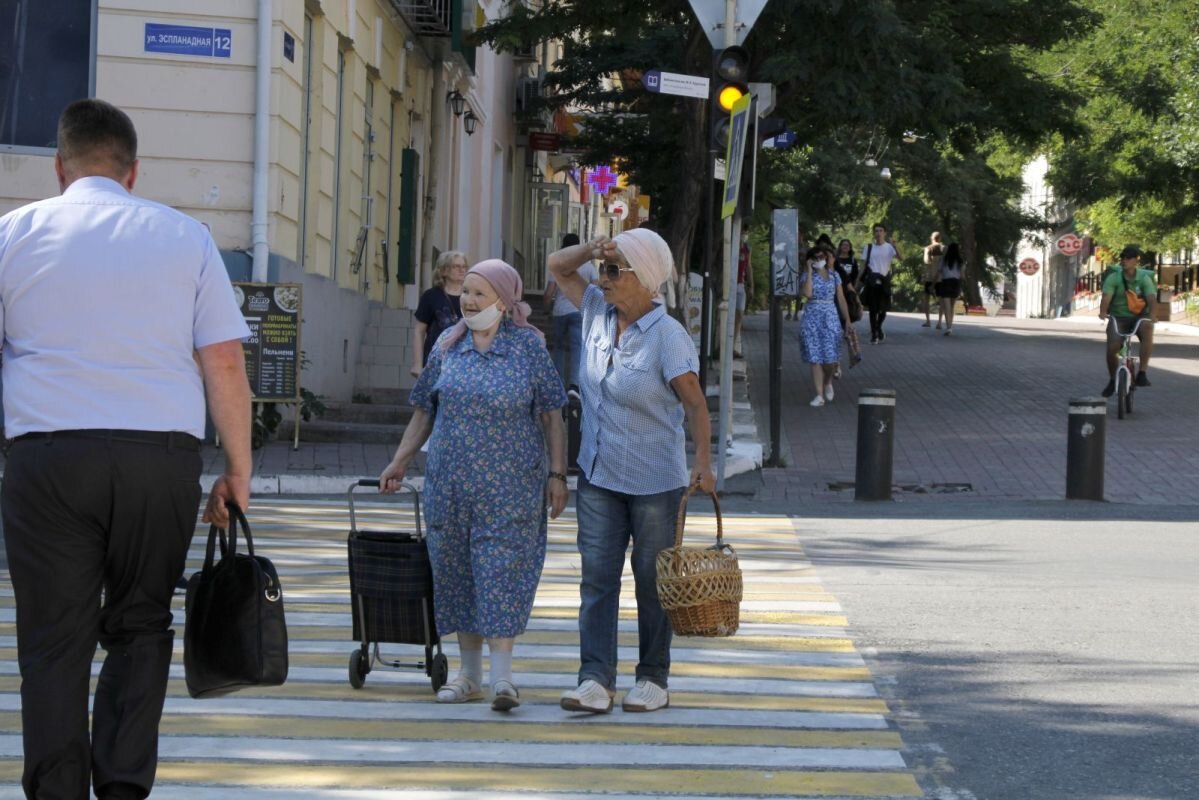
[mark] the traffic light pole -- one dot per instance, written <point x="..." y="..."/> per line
<point x="705" y="342"/>
<point x="731" y="245"/>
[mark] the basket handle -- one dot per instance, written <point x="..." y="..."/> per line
<point x="681" y="519"/>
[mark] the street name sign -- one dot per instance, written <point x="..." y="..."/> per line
<point x="738" y="132"/>
<point x="188" y="40"/>
<point x="660" y="82"/>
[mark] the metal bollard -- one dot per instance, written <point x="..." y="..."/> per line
<point x="1085" y="444"/>
<point x="876" y="444"/>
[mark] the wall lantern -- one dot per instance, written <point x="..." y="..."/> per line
<point x="470" y="122"/>
<point x="457" y="102"/>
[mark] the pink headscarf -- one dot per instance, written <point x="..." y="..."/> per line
<point x="509" y="287"/>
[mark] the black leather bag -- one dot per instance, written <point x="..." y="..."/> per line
<point x="235" y="635"/>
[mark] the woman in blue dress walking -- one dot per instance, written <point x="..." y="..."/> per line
<point x="825" y="314"/>
<point x="491" y="400"/>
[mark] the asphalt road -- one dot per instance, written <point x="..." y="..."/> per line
<point x="1037" y="651"/>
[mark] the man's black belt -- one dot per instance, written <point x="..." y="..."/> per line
<point x="168" y="439"/>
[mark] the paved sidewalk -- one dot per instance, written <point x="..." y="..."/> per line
<point x="986" y="406"/>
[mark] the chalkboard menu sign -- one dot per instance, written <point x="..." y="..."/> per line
<point x="272" y="310"/>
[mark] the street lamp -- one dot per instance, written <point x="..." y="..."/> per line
<point x="470" y="122"/>
<point x="457" y="102"/>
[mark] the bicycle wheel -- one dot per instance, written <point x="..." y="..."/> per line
<point x="1121" y="392"/>
<point x="1128" y="399"/>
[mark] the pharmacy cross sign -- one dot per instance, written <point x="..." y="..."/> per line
<point x="602" y="180"/>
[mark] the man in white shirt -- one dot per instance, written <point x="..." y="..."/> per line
<point x="118" y="321"/>
<point x="877" y="258"/>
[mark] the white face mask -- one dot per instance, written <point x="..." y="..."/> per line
<point x="482" y="320"/>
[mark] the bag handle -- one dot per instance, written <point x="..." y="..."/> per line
<point x="682" y="516"/>
<point x="374" y="483"/>
<point x="229" y="546"/>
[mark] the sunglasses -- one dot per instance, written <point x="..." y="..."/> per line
<point x="612" y="270"/>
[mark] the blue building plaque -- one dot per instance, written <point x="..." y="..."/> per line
<point x="187" y="40"/>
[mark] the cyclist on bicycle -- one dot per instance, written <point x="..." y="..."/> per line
<point x="1116" y="287"/>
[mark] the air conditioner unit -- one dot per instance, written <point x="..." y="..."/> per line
<point x="528" y="92"/>
<point x="526" y="53"/>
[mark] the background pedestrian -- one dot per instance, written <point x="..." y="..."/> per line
<point x="950" y="284"/>
<point x="825" y="314"/>
<point x="745" y="287"/>
<point x="567" y="321"/>
<point x="876" y="280"/>
<point x="490" y="399"/>
<point x="439" y="308"/>
<point x="639" y="378"/>
<point x="118" y="321"/>
<point x="930" y="277"/>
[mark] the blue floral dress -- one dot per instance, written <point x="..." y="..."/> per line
<point x="484" y="498"/>
<point x="820" y="334"/>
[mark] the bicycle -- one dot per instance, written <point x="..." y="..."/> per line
<point x="1127" y="364"/>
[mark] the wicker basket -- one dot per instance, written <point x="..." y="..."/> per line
<point x="700" y="588"/>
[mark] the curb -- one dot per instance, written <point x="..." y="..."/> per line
<point x="742" y="456"/>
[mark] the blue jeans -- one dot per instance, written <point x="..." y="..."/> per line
<point x="568" y="344"/>
<point x="607" y="521"/>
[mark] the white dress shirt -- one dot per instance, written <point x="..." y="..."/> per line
<point x="104" y="297"/>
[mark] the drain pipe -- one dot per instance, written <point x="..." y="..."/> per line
<point x="259" y="224"/>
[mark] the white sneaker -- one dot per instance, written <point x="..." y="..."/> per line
<point x="828" y="392"/>
<point x="646" y="696"/>
<point x="588" y="696"/>
<point x="817" y="401"/>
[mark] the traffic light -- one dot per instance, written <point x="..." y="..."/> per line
<point x="730" y="75"/>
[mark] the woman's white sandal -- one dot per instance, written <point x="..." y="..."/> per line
<point x="460" y="690"/>
<point x="505" y="696"/>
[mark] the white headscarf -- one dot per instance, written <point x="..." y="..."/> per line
<point x="648" y="255"/>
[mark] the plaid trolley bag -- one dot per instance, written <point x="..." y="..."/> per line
<point x="391" y="593"/>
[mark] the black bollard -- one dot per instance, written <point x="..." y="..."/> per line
<point x="1085" y="444"/>
<point x="876" y="444"/>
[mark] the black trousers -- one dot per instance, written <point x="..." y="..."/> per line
<point x="878" y="300"/>
<point x="97" y="530"/>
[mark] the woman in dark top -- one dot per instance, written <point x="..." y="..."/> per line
<point x="950" y="285"/>
<point x="847" y="265"/>
<point x="438" y="309"/>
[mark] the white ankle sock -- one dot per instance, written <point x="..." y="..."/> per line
<point x="472" y="662"/>
<point x="501" y="665"/>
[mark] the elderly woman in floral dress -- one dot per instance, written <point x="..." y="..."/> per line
<point x="491" y="400"/>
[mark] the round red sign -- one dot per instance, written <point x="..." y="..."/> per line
<point x="1029" y="266"/>
<point x="1069" y="245"/>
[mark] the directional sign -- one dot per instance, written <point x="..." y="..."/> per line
<point x="711" y="17"/>
<point x="1030" y="266"/>
<point x="738" y="132"/>
<point x="675" y="83"/>
<point x="1069" y="245"/>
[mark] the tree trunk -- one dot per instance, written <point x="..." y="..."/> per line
<point x="693" y="151"/>
<point x="973" y="272"/>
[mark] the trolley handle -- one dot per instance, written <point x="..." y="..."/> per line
<point x="374" y="483"/>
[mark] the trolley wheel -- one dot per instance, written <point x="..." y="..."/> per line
<point x="1121" y="393"/>
<point x="440" y="673"/>
<point x="359" y="667"/>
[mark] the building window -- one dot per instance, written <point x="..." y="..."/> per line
<point x="46" y="60"/>
<point x="305" y="146"/>
<point x="337" y="164"/>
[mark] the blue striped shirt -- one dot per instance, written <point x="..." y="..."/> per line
<point x="632" y="436"/>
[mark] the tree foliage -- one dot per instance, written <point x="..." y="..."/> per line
<point x="851" y="78"/>
<point x="1134" y="168"/>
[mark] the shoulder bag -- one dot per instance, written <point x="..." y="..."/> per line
<point x="235" y="634"/>
<point x="1136" y="303"/>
